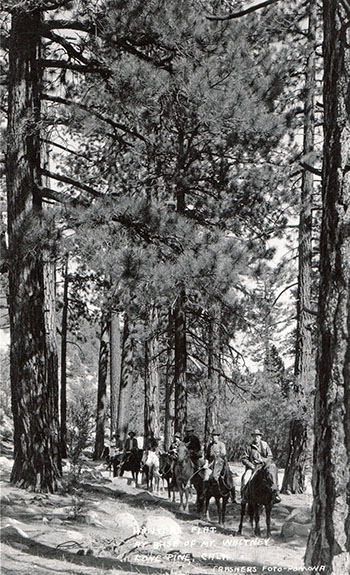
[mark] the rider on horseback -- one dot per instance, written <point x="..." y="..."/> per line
<point x="173" y="450"/>
<point x="193" y="445"/>
<point x="216" y="456"/>
<point x="130" y="447"/>
<point x="257" y="452"/>
<point x="117" y="454"/>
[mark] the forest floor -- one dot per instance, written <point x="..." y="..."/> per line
<point x="109" y="526"/>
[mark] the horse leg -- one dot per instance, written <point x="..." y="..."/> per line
<point x="157" y="483"/>
<point x="181" y="493"/>
<point x="268" y="520"/>
<point x="187" y="497"/>
<point x="257" y="520"/>
<point x="200" y="501"/>
<point x="243" y="506"/>
<point x="251" y="513"/>
<point x="207" y="499"/>
<point x="219" y="508"/>
<point x="224" y="504"/>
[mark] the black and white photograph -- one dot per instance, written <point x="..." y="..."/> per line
<point x="175" y="287"/>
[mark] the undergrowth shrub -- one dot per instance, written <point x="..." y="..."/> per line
<point x="80" y="426"/>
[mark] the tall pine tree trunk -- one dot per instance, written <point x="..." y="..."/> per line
<point x="294" y="477"/>
<point x="126" y="380"/>
<point x="102" y="388"/>
<point x="151" y="426"/>
<point x="180" y="364"/>
<point x="115" y="369"/>
<point x="33" y="350"/>
<point x="329" y="541"/>
<point x="212" y="391"/>
<point x="169" y="385"/>
<point x="179" y="312"/>
<point x="64" y="331"/>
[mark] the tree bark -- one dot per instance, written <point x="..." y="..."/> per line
<point x="102" y="388"/>
<point x="115" y="369"/>
<point x="329" y="541"/>
<point x="179" y="312"/>
<point x="180" y="364"/>
<point x="33" y="349"/>
<point x="151" y="425"/>
<point x="294" y="477"/>
<point x="126" y="380"/>
<point x="169" y="385"/>
<point x="64" y="331"/>
<point x="212" y="391"/>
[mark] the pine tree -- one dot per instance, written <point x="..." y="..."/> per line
<point x="34" y="363"/>
<point x="294" y="477"/>
<point x="328" y="542"/>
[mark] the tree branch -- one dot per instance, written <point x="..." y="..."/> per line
<point x="99" y="115"/>
<point x="60" y="197"/>
<point x="66" y="65"/>
<point x="92" y="64"/>
<point x="241" y="13"/>
<point x="41" y="4"/>
<point x="72" y="182"/>
<point x="61" y="24"/>
<point x="311" y="169"/>
<point x="69" y="150"/>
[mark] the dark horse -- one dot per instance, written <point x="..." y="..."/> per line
<point x="132" y="462"/>
<point x="261" y="489"/>
<point x="221" y="489"/>
<point x="185" y="474"/>
<point x="165" y="470"/>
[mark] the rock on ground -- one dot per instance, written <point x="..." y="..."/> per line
<point x="161" y="525"/>
<point x="126" y="524"/>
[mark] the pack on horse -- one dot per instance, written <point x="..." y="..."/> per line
<point x="220" y="486"/>
<point x="132" y="462"/>
<point x="185" y="474"/>
<point x="261" y="490"/>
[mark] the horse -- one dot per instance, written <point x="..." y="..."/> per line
<point x="132" y="462"/>
<point x="165" y="472"/>
<point x="221" y="489"/>
<point x="261" y="489"/>
<point x="184" y="474"/>
<point x="116" y="462"/>
<point x="150" y="467"/>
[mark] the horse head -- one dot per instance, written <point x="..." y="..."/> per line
<point x="269" y="472"/>
<point x="183" y="453"/>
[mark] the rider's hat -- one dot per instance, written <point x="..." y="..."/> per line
<point x="215" y="432"/>
<point x="132" y="433"/>
<point x="257" y="432"/>
<point x="189" y="429"/>
<point x="177" y="434"/>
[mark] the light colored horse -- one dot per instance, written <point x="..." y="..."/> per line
<point x="183" y="473"/>
<point x="151" y="469"/>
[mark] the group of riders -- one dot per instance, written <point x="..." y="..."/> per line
<point x="211" y="461"/>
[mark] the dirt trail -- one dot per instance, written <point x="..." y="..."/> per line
<point x="109" y="526"/>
